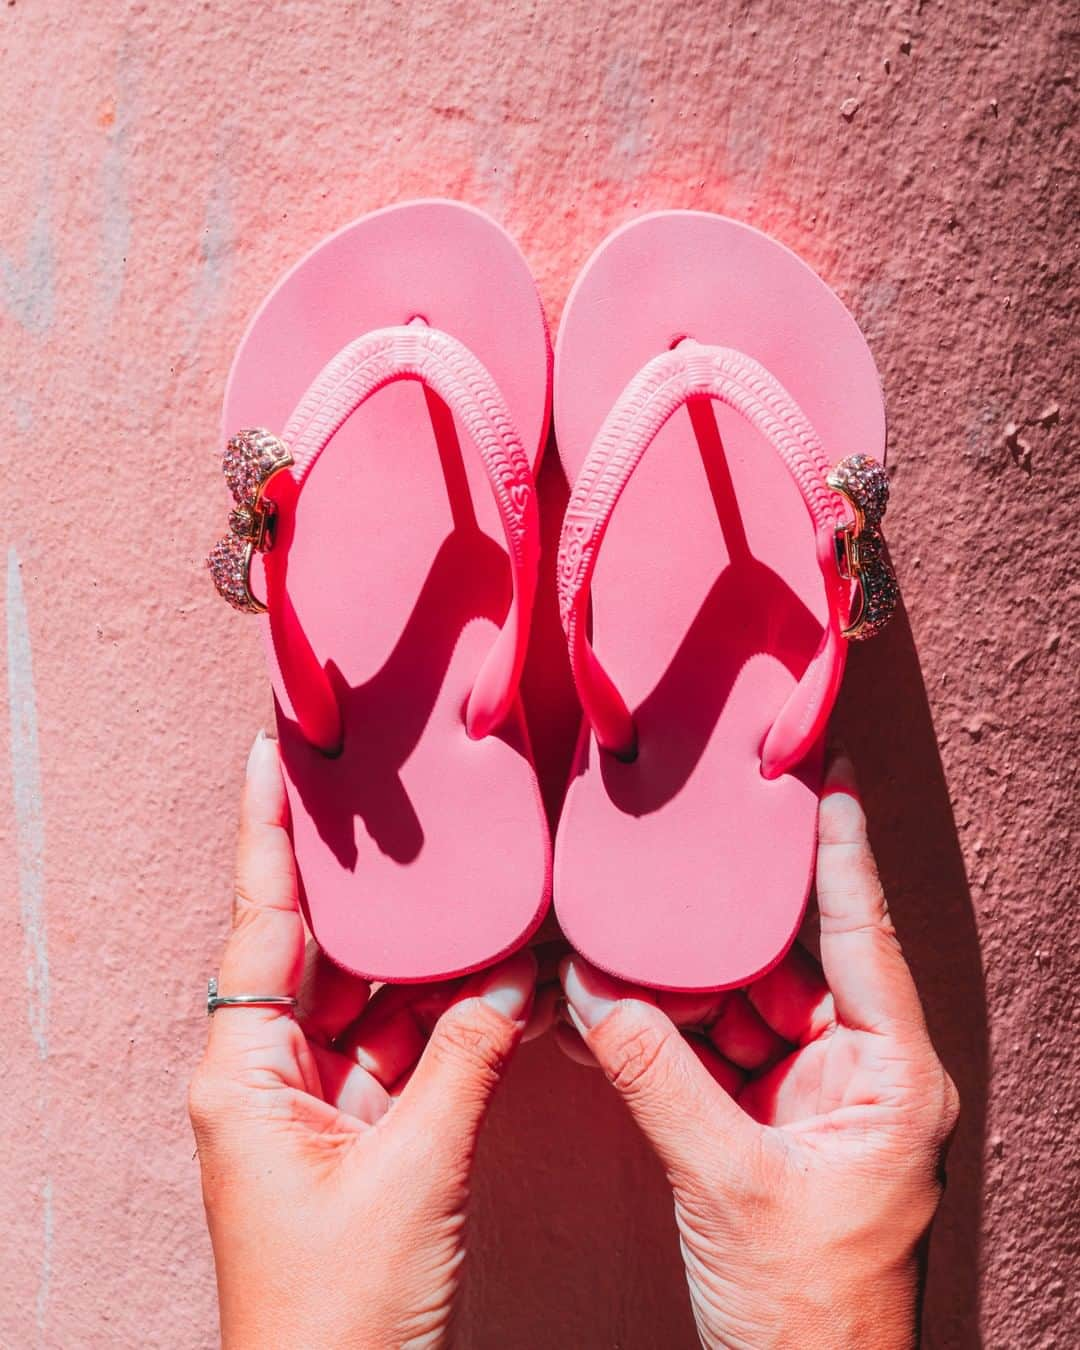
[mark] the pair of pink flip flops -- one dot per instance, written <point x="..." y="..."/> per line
<point x="387" y="411"/>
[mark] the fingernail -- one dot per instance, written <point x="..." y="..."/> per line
<point x="590" y="994"/>
<point x="840" y="774"/>
<point x="510" y="986"/>
<point x="253" y="755"/>
<point x="542" y="1014"/>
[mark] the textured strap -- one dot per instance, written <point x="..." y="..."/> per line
<point x="451" y="371"/>
<point x="692" y="371"/>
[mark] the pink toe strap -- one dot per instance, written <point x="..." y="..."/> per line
<point x="452" y="372"/>
<point x="692" y="371"/>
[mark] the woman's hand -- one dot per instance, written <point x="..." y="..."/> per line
<point x="803" y="1129"/>
<point x="335" y="1145"/>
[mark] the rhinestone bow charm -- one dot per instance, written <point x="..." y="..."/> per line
<point x="860" y="549"/>
<point x="252" y="457"/>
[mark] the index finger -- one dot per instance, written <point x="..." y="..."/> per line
<point x="265" y="951"/>
<point x="864" y="967"/>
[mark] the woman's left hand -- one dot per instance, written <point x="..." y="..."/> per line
<point x="336" y="1144"/>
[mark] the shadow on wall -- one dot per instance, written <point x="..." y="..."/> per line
<point x="884" y="718"/>
<point x="574" y="1238"/>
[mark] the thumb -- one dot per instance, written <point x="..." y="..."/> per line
<point x="696" y="1128"/>
<point x="466" y="1058"/>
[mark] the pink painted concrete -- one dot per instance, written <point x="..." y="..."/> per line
<point x="162" y="164"/>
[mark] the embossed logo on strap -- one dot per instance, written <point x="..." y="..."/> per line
<point x="575" y="552"/>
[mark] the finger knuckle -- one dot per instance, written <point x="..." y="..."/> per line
<point x="851" y="912"/>
<point x="950" y="1105"/>
<point x="474" y="1037"/>
<point x="639" y="1056"/>
<point x="245" y="908"/>
<point x="886" y="929"/>
<point x="206" y="1101"/>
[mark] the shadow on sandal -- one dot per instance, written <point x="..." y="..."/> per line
<point x="385" y="716"/>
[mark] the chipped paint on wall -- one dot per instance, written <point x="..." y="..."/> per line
<point x="28" y="280"/>
<point x="27" y="804"/>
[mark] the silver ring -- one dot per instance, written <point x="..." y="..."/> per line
<point x="214" y="1000"/>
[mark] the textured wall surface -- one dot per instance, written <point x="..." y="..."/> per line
<point x="161" y="165"/>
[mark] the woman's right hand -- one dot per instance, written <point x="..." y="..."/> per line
<point x="803" y="1131"/>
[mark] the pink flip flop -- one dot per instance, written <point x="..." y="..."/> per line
<point x="725" y="568"/>
<point x="398" y="384"/>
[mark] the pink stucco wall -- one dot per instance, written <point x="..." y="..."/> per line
<point x="161" y="164"/>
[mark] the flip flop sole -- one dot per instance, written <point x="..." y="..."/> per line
<point x="422" y="853"/>
<point x="687" y="869"/>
